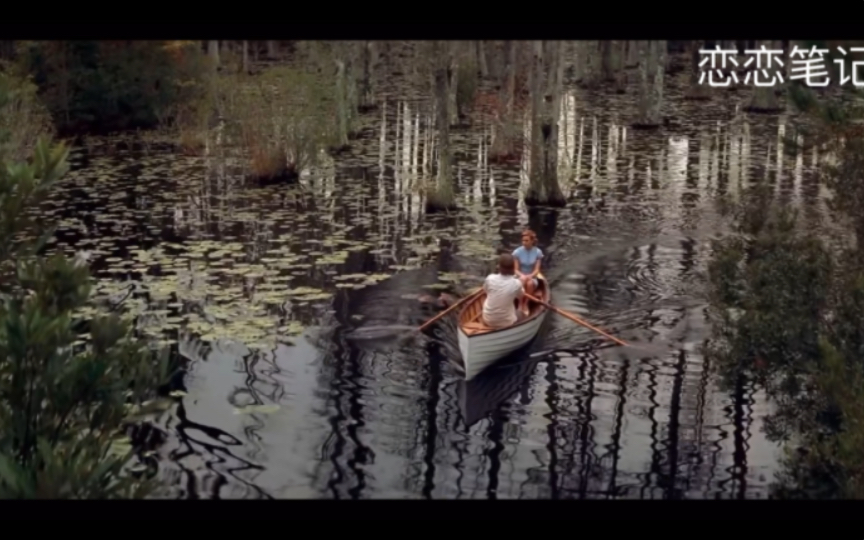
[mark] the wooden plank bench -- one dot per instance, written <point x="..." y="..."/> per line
<point x="475" y="327"/>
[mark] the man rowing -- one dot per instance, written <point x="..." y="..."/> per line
<point x="502" y="291"/>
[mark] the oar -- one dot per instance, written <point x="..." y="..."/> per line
<point x="575" y="319"/>
<point x="448" y="310"/>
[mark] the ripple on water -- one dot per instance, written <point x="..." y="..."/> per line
<point x="238" y="269"/>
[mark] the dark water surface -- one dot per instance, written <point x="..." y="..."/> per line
<point x="259" y="287"/>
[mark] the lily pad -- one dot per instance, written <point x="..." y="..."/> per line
<point x="257" y="409"/>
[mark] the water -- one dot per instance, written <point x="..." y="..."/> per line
<point x="260" y="289"/>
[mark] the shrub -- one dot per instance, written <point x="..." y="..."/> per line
<point x="105" y="86"/>
<point x="64" y="397"/>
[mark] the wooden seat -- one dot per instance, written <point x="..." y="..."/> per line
<point x="475" y="327"/>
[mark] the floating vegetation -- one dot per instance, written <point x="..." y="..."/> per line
<point x="182" y="245"/>
<point x="257" y="409"/>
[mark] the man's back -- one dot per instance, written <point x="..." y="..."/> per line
<point x="502" y="291"/>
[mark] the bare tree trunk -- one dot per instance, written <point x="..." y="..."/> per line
<point x="664" y="55"/>
<point x="351" y="81"/>
<point x="443" y="197"/>
<point x="501" y="144"/>
<point x="272" y="49"/>
<point x="367" y="99"/>
<point x="498" y="147"/>
<point x="632" y="58"/>
<point x="387" y="53"/>
<point x="482" y="66"/>
<point x="453" y="84"/>
<point x="578" y="61"/>
<point x="612" y="63"/>
<point x="606" y="70"/>
<point x="244" y="66"/>
<point x="652" y="62"/>
<point x="618" y="61"/>
<point x="416" y="61"/>
<point x="508" y="89"/>
<point x="494" y="60"/>
<point x="546" y="75"/>
<point x="590" y="53"/>
<point x="584" y="62"/>
<point x="618" y="55"/>
<point x="764" y="99"/>
<point x="341" y="104"/>
<point x="213" y="51"/>
<point x="697" y="91"/>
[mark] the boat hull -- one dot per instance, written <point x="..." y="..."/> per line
<point x="481" y="348"/>
<point x="481" y="351"/>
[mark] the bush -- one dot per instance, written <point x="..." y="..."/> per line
<point x="788" y="307"/>
<point x="64" y="397"/>
<point x="103" y="86"/>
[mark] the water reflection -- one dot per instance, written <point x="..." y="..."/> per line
<point x="269" y="413"/>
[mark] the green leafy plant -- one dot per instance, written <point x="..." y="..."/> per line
<point x="64" y="397"/>
<point x="787" y="307"/>
<point x="116" y="85"/>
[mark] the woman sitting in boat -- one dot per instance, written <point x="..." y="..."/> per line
<point x="502" y="291"/>
<point x="527" y="264"/>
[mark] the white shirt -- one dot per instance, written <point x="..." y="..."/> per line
<point x="502" y="291"/>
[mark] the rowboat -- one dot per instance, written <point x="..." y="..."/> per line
<point x="481" y="346"/>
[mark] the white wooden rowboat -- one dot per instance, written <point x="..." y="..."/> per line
<point x="482" y="346"/>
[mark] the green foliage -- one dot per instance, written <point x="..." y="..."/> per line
<point x="780" y="301"/>
<point x="115" y="85"/>
<point x="63" y="400"/>
<point x="760" y="308"/>
<point x="827" y="464"/>
<point x="788" y="307"/>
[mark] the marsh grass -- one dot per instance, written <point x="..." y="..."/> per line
<point x="274" y="119"/>
<point x="25" y="118"/>
<point x="270" y="163"/>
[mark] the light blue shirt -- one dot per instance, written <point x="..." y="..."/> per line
<point x="527" y="258"/>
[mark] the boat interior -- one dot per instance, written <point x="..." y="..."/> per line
<point x="471" y="318"/>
